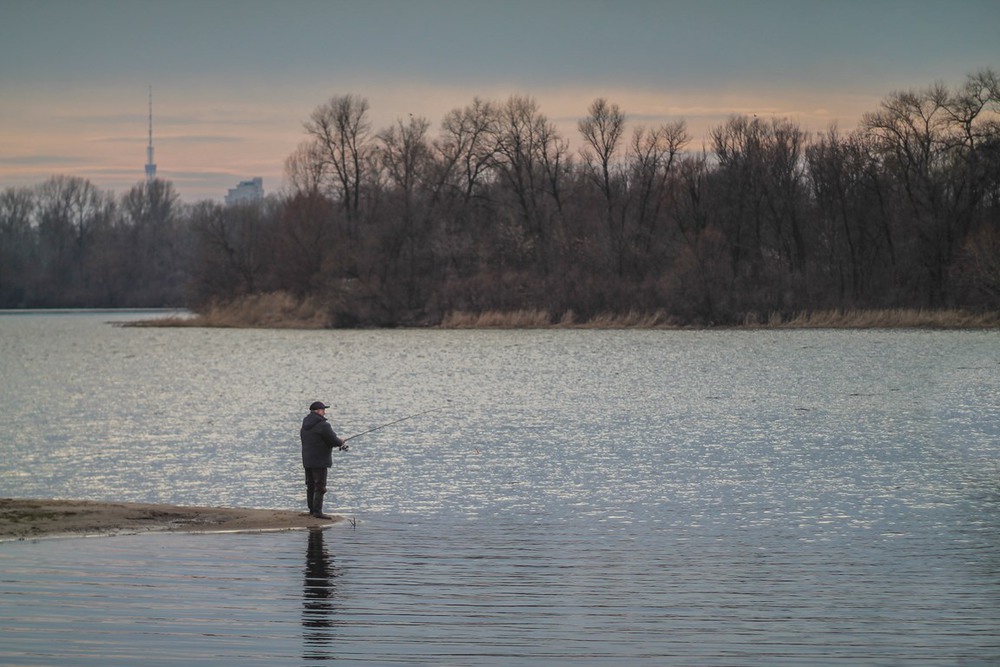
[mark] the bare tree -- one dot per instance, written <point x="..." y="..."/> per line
<point x="602" y="131"/>
<point x="697" y="285"/>
<point x="340" y="134"/>
<point x="304" y="169"/>
<point x="18" y="250"/>
<point x="762" y="169"/>
<point x="235" y="249"/>
<point x="153" y="252"/>
<point x="307" y="260"/>
<point x="405" y="153"/>
<point x="853" y="222"/>
<point x="466" y="147"/>
<point x="940" y="149"/>
<point x="405" y="158"/>
<point x="529" y="158"/>
<point x="462" y="195"/>
<point x="71" y="210"/>
<point x="650" y="162"/>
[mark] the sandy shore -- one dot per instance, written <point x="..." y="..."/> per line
<point x="25" y="519"/>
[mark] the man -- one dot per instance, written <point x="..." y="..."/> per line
<point x="318" y="441"/>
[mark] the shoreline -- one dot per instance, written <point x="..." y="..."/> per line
<point x="273" y="311"/>
<point x="29" y="518"/>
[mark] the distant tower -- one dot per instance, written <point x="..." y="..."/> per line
<point x="150" y="165"/>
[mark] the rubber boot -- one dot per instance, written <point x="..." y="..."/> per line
<point x="317" y="507"/>
<point x="309" y="501"/>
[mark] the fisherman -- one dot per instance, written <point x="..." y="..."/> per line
<point x="318" y="441"/>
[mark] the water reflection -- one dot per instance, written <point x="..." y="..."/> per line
<point x="604" y="498"/>
<point x="319" y="595"/>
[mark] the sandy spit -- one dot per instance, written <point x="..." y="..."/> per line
<point x="26" y="519"/>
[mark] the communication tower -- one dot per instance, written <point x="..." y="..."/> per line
<point x="150" y="165"/>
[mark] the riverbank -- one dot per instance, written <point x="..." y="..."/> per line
<point x="282" y="311"/>
<point x="29" y="518"/>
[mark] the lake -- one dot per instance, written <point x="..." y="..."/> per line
<point x="573" y="497"/>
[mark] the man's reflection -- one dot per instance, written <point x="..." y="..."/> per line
<point x="318" y="596"/>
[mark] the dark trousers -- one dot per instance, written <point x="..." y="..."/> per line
<point x="315" y="487"/>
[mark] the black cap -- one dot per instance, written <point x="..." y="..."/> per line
<point x="319" y="405"/>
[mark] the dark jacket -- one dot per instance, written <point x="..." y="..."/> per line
<point x="318" y="441"/>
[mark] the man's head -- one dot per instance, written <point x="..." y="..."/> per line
<point x="318" y="406"/>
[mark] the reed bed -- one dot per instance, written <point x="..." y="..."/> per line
<point x="544" y="319"/>
<point x="280" y="310"/>
<point x="494" y="319"/>
<point x="891" y="318"/>
<point x="272" y="310"/>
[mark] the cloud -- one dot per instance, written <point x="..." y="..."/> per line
<point x="172" y="139"/>
<point x="202" y="139"/>
<point x="40" y="160"/>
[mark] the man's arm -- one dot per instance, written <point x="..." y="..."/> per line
<point x="331" y="438"/>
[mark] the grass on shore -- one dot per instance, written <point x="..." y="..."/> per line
<point x="893" y="318"/>
<point x="543" y="319"/>
<point x="890" y="318"/>
<point x="273" y="310"/>
<point x="281" y="310"/>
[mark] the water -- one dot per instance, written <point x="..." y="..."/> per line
<point x="584" y="497"/>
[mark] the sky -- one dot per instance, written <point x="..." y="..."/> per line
<point x="233" y="82"/>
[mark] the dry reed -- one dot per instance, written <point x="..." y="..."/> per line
<point x="271" y="310"/>
<point x="889" y="318"/>
<point x="280" y="310"/>
<point x="543" y="319"/>
<point x="494" y="319"/>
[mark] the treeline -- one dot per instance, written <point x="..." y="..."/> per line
<point x="65" y="243"/>
<point x="495" y="213"/>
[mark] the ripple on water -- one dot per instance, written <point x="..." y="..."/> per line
<point x="598" y="498"/>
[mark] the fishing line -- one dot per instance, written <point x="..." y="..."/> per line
<point x="403" y="419"/>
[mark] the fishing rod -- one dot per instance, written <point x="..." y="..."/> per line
<point x="403" y="419"/>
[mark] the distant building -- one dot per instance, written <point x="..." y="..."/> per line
<point x="246" y="192"/>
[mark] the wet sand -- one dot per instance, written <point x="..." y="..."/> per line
<point x="26" y="519"/>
